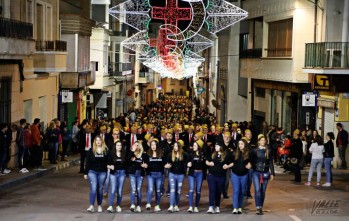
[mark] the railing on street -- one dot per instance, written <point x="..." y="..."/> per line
<point x="15" y="29"/>
<point x="51" y="46"/>
<point x="251" y="53"/>
<point x="327" y="55"/>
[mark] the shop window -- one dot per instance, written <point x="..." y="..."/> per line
<point x="280" y="38"/>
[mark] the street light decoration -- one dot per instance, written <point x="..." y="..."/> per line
<point x="173" y="53"/>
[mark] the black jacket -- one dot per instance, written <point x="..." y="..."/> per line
<point x="296" y="150"/>
<point x="329" y="149"/>
<point x="261" y="162"/>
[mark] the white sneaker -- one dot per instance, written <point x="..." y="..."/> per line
<point x="190" y="210"/>
<point x="170" y="209"/>
<point x="21" y="170"/>
<point x="118" y="209"/>
<point x="6" y="171"/>
<point x="138" y="209"/>
<point x="157" y="208"/>
<point x="196" y="210"/>
<point x="25" y="170"/>
<point x="110" y="209"/>
<point x="210" y="210"/>
<point x="148" y="206"/>
<point x="99" y="209"/>
<point x="235" y="211"/>
<point x="91" y="209"/>
<point x="132" y="208"/>
<point x="217" y="210"/>
<point x="326" y="184"/>
<point x="176" y="209"/>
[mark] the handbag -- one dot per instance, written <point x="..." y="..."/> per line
<point x="294" y="160"/>
<point x="266" y="175"/>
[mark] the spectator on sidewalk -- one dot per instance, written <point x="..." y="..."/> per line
<point x="316" y="149"/>
<point x="75" y="137"/>
<point x="3" y="146"/>
<point x="20" y="141"/>
<point x="328" y="157"/>
<point x="36" y="150"/>
<point x="52" y="137"/>
<point x="342" y="143"/>
<point x="65" y="139"/>
<point x="28" y="160"/>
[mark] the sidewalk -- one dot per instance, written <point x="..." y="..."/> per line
<point x="305" y="170"/>
<point x="16" y="178"/>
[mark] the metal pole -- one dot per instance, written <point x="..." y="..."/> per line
<point x="345" y="33"/>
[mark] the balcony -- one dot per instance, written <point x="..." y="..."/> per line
<point x="15" y="29"/>
<point x="143" y="78"/>
<point x="120" y="69"/>
<point x="327" y="58"/>
<point x="50" y="56"/>
<point x="16" y="39"/>
<point x="251" y="53"/>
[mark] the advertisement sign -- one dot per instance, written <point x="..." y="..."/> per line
<point x="322" y="82"/>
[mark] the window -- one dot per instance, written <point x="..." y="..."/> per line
<point x="5" y="100"/>
<point x="28" y="110"/>
<point x="43" y="21"/>
<point x="172" y="81"/>
<point x="260" y="92"/>
<point x="280" y="38"/>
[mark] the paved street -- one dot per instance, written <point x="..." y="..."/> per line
<point x="64" y="196"/>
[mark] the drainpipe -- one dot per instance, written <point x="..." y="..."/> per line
<point x="345" y="32"/>
<point x="315" y="20"/>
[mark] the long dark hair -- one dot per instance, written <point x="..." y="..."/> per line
<point x="245" y="153"/>
<point x="319" y="140"/>
<point x="122" y="151"/>
<point x="159" y="152"/>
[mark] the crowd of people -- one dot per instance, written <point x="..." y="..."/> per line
<point x="167" y="142"/>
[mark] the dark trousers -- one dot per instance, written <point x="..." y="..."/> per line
<point x="20" y="156"/>
<point x="36" y="155"/>
<point x="341" y="153"/>
<point x="83" y="154"/>
<point x="65" y="144"/>
<point x="297" y="173"/>
<point x="215" y="189"/>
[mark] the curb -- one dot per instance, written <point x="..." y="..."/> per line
<point x="37" y="174"/>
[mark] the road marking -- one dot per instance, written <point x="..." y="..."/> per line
<point x="295" y="218"/>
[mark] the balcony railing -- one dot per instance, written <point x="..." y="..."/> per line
<point x="51" y="46"/>
<point x="116" y="69"/>
<point x="327" y="55"/>
<point x="251" y="53"/>
<point x="15" y="29"/>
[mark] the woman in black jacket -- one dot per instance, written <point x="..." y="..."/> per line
<point x="296" y="154"/>
<point x="117" y="166"/>
<point x="217" y="163"/>
<point x="240" y="166"/>
<point x="96" y="171"/>
<point x="328" y="157"/>
<point x="177" y="163"/>
<point x="263" y="170"/>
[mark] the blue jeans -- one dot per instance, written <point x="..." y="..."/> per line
<point x="239" y="184"/>
<point x="318" y="164"/>
<point x="154" y="179"/>
<point x="249" y="182"/>
<point x="117" y="181"/>
<point x="96" y="180"/>
<point x="215" y="188"/>
<point x="259" y="188"/>
<point x="328" y="168"/>
<point x="176" y="182"/>
<point x="106" y="183"/>
<point x="136" y="181"/>
<point x="195" y="181"/>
